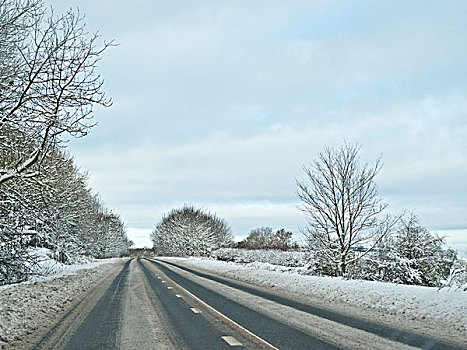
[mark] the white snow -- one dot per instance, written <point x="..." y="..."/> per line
<point x="28" y="308"/>
<point x="49" y="269"/>
<point x="444" y="307"/>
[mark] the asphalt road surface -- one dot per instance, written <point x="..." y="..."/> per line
<point x="154" y="304"/>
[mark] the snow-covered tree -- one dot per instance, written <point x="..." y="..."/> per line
<point x="265" y="238"/>
<point x="48" y="83"/>
<point x="457" y="275"/>
<point x="48" y="89"/>
<point x="258" y="238"/>
<point x="343" y="208"/>
<point x="110" y="239"/>
<point x="56" y="210"/>
<point x="190" y="232"/>
<point x="414" y="255"/>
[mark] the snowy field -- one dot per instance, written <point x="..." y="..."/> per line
<point x="28" y="308"/>
<point x="445" y="307"/>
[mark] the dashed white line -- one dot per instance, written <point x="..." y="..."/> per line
<point x="178" y="295"/>
<point x="164" y="282"/>
<point x="169" y="287"/>
<point x="270" y="346"/>
<point x="195" y="310"/>
<point x="231" y="340"/>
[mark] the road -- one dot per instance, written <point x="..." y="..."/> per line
<point x="155" y="304"/>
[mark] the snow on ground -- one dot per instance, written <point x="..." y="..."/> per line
<point x="29" y="308"/>
<point x="49" y="269"/>
<point x="443" y="307"/>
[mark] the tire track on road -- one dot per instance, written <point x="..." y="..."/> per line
<point x="274" y="332"/>
<point x="387" y="332"/>
<point x="100" y="328"/>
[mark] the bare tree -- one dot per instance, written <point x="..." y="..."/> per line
<point x="48" y="81"/>
<point x="258" y="238"/>
<point x="343" y="207"/>
<point x="264" y="238"/>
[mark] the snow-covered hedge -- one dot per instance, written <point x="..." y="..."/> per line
<point x="274" y="257"/>
<point x="413" y="255"/>
<point x="305" y="262"/>
<point x="457" y="276"/>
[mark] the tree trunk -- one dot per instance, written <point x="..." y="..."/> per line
<point x="343" y="267"/>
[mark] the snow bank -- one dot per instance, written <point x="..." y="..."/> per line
<point x="49" y="269"/>
<point x="28" y="309"/>
<point x="272" y="257"/>
<point x="447" y="307"/>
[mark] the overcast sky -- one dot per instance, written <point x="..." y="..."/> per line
<point x="220" y="103"/>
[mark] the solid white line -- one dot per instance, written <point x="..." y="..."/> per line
<point x="195" y="310"/>
<point x="231" y="340"/>
<point x="225" y="317"/>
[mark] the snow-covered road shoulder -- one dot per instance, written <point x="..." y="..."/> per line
<point x="28" y="309"/>
<point x="405" y="305"/>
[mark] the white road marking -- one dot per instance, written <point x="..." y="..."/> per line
<point x="231" y="341"/>
<point x="195" y="310"/>
<point x="169" y="287"/>
<point x="178" y="295"/>
<point x="163" y="282"/>
<point x="224" y="316"/>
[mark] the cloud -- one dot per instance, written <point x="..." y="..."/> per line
<point x="220" y="103"/>
<point x="424" y="164"/>
<point x="186" y="71"/>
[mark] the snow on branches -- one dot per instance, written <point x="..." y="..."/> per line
<point x="48" y="89"/>
<point x="48" y="82"/>
<point x="343" y="208"/>
<point x="190" y="232"/>
<point x="55" y="210"/>
<point x="412" y="255"/>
